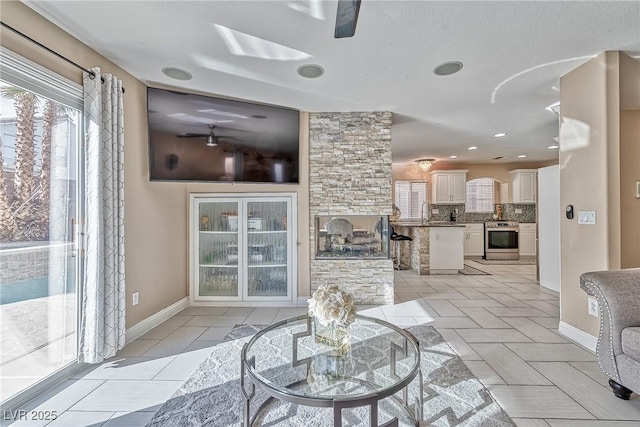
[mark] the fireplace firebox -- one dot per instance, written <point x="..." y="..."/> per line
<point x="352" y="236"/>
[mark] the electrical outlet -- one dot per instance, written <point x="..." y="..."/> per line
<point x="518" y="210"/>
<point x="136" y="298"/>
<point x="592" y="306"/>
<point x="435" y="211"/>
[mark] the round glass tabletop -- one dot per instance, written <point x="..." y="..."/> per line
<point x="381" y="359"/>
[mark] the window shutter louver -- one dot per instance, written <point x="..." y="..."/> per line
<point x="479" y="195"/>
<point x="409" y="197"/>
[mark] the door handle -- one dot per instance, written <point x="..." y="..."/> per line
<point x="74" y="251"/>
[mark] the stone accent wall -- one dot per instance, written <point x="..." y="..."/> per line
<point x="23" y="264"/>
<point x="414" y="254"/>
<point x="350" y="174"/>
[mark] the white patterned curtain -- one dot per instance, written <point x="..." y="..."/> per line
<point x="102" y="330"/>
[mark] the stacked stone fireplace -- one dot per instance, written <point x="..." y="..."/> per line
<point x="350" y="174"/>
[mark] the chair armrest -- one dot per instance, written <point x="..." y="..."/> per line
<point x="618" y="295"/>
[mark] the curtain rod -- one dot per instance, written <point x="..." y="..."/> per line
<point x="37" y="43"/>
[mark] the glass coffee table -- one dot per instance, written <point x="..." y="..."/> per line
<point x="285" y="361"/>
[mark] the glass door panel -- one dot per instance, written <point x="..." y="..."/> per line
<point x="218" y="216"/>
<point x="268" y="281"/>
<point x="218" y="282"/>
<point x="38" y="254"/>
<point x="267" y="248"/>
<point x="218" y="249"/>
<point x="267" y="216"/>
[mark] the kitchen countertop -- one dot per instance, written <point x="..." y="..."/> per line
<point x="428" y="224"/>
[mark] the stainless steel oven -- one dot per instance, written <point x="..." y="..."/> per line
<point x="501" y="240"/>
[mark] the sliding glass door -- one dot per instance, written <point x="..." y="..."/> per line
<point x="39" y="259"/>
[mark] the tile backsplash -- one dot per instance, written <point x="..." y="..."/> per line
<point x="508" y="213"/>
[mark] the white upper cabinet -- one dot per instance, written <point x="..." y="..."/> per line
<point x="448" y="187"/>
<point x="523" y="185"/>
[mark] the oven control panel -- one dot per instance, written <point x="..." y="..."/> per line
<point x="502" y="224"/>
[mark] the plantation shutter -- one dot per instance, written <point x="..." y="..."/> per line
<point x="479" y="195"/>
<point x="409" y="197"/>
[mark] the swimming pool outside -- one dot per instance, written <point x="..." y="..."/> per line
<point x="26" y="271"/>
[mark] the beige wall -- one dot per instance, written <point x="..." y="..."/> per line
<point x="629" y="160"/>
<point x="156" y="213"/>
<point x="630" y="174"/>
<point x="583" y="184"/>
<point x="599" y="152"/>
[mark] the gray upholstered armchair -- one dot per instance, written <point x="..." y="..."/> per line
<point x="618" y="295"/>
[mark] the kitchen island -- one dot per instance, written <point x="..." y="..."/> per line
<point x="436" y="248"/>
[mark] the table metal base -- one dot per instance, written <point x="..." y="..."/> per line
<point x="248" y="385"/>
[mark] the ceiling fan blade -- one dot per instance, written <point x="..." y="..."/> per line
<point x="346" y="18"/>
<point x="193" y="135"/>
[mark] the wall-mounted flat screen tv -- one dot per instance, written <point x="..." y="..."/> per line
<point x="202" y="138"/>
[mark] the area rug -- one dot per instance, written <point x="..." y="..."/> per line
<point x="471" y="271"/>
<point x="211" y="396"/>
<point x="521" y="261"/>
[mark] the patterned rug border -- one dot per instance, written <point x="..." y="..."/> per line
<point x="452" y="393"/>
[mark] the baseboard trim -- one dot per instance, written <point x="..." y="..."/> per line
<point x="586" y="340"/>
<point x="141" y="328"/>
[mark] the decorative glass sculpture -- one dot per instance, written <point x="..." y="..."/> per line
<point x="336" y="337"/>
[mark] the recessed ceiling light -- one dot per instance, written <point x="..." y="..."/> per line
<point x="447" y="68"/>
<point x="551" y="147"/>
<point x="310" y="71"/>
<point x="472" y="148"/>
<point x="177" y="73"/>
<point x="453" y="157"/>
<point x="499" y="135"/>
<point x="522" y="156"/>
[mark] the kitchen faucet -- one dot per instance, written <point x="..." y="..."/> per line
<point x="422" y="211"/>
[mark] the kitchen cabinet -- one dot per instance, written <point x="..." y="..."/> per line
<point x="242" y="248"/>
<point x="527" y="239"/>
<point x="448" y="187"/>
<point x="473" y="238"/>
<point x="446" y="253"/>
<point x="523" y="185"/>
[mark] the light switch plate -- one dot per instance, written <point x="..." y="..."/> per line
<point x="587" y="217"/>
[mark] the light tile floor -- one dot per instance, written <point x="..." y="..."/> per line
<point x="504" y="326"/>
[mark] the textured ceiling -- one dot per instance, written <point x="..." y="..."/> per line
<point x="513" y="54"/>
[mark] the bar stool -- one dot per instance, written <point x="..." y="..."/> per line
<point x="397" y="238"/>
